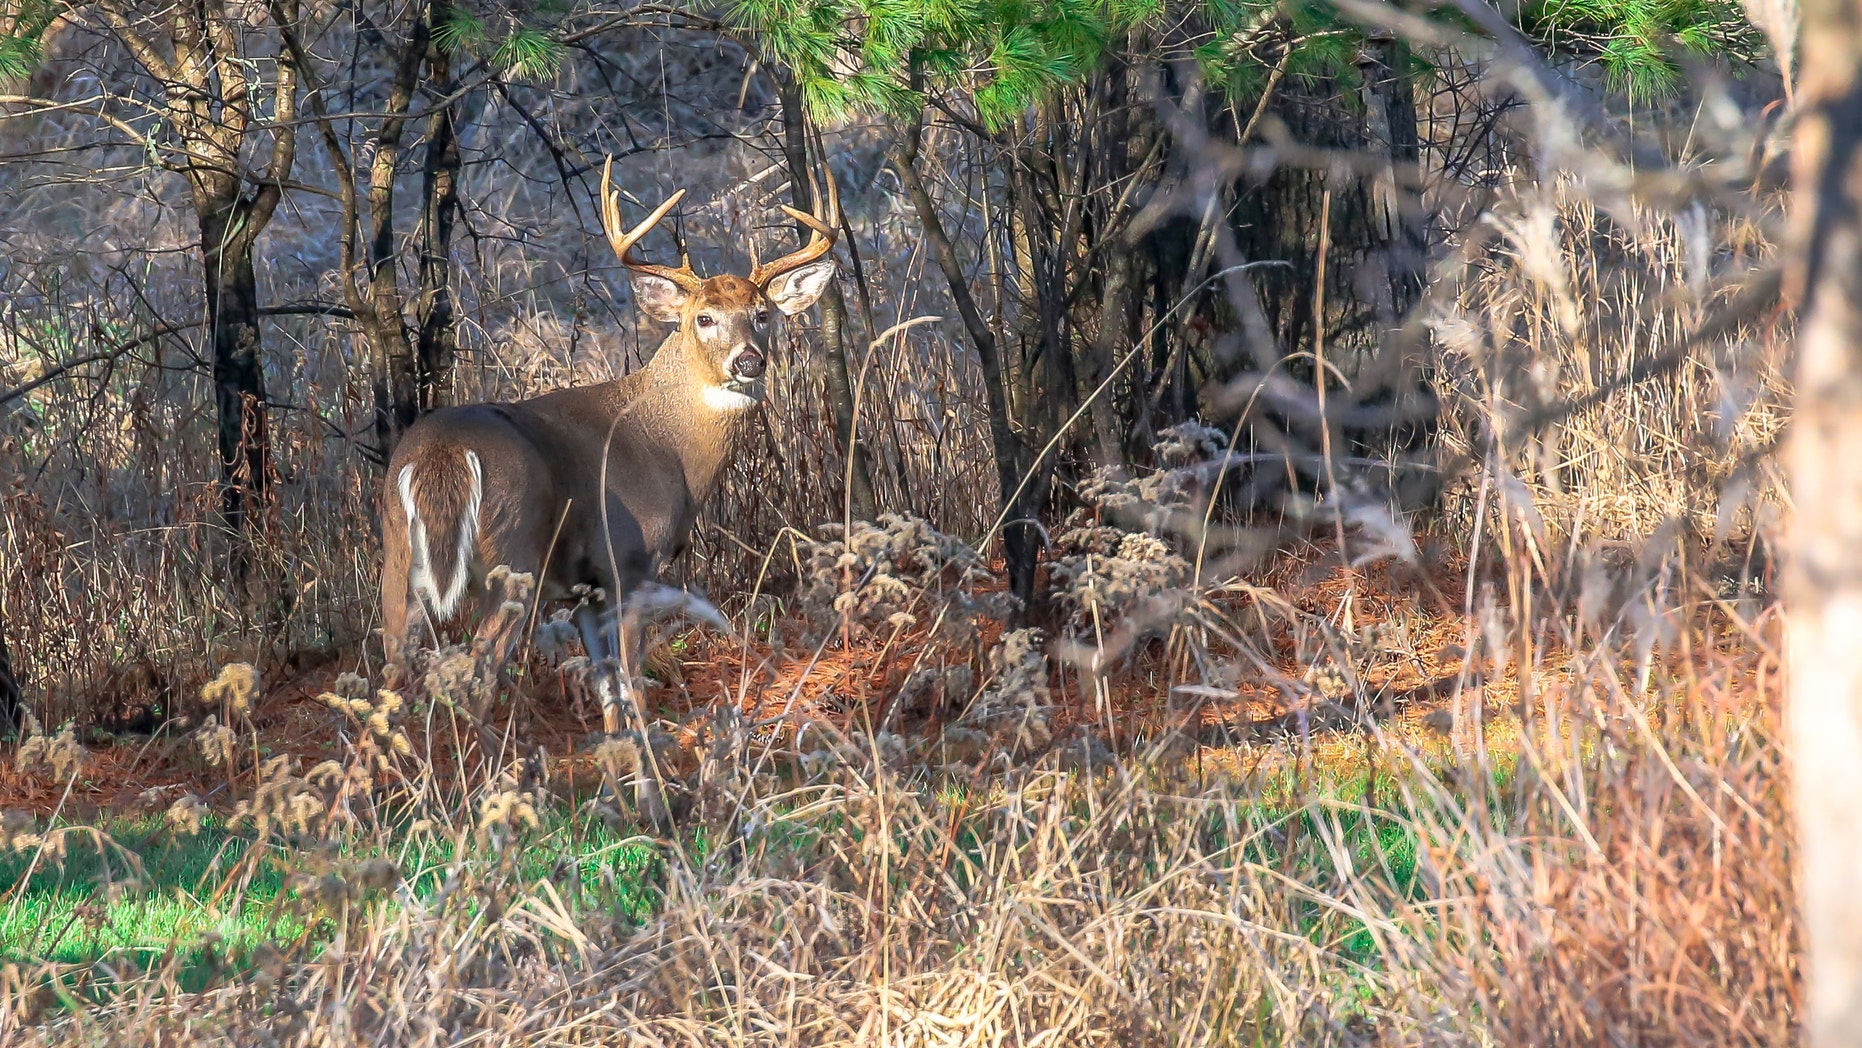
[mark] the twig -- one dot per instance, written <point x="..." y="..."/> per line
<point x="162" y="331"/>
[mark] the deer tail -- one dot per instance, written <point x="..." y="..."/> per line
<point x="441" y="496"/>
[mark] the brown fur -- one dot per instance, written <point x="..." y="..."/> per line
<point x="595" y="486"/>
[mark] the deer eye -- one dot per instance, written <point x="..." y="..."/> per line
<point x="762" y="317"/>
<point x="706" y="320"/>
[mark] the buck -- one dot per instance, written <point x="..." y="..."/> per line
<point x="593" y="489"/>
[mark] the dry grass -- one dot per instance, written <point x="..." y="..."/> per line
<point x="1608" y="863"/>
<point x="1526" y="787"/>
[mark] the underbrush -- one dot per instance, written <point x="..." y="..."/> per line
<point x="1591" y="848"/>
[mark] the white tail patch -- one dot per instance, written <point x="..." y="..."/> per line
<point x="421" y="575"/>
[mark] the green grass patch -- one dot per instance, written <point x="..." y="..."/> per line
<point x="209" y="899"/>
<point x="200" y="905"/>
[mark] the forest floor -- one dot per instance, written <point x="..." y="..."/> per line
<point x="1331" y="789"/>
<point x="1417" y="687"/>
<point x="128" y="778"/>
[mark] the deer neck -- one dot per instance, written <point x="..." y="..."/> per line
<point x="681" y="412"/>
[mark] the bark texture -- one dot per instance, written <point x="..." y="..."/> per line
<point x="9" y="689"/>
<point x="205" y="58"/>
<point x="1823" y="580"/>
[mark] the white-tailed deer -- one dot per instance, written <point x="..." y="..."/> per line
<point x="593" y="489"/>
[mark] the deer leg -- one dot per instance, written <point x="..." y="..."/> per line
<point x="632" y="636"/>
<point x="503" y="611"/>
<point x="396" y="610"/>
<point x="649" y="787"/>
<point x="612" y="683"/>
<point x="613" y="639"/>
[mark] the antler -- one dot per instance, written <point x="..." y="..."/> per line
<point x="826" y="227"/>
<point x="623" y="240"/>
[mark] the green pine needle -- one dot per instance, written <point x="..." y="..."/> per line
<point x="529" y="53"/>
<point x="1007" y="55"/>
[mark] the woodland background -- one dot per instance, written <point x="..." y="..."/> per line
<point x="1292" y="483"/>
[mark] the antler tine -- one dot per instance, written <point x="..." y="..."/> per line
<point x="824" y="226"/>
<point x="827" y="225"/>
<point x="820" y="226"/>
<point x="622" y="240"/>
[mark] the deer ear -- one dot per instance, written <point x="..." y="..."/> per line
<point x="658" y="297"/>
<point x="798" y="289"/>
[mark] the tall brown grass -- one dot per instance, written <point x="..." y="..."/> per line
<point x="1625" y="879"/>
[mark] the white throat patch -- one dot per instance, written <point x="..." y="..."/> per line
<point x="718" y="398"/>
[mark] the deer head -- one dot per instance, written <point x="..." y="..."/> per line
<point x="724" y="321"/>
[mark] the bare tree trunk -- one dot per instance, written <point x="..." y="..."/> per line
<point x="1823" y="579"/>
<point x="10" y="705"/>
<point x="410" y="368"/>
<point x="1124" y="135"/>
<point x="1021" y="544"/>
<point x="210" y="106"/>
<point x="1051" y="384"/>
<point x="440" y="196"/>
<point x="397" y="396"/>
<point x="238" y="368"/>
<point x="833" y="309"/>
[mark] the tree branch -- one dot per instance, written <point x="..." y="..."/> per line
<point x="162" y="331"/>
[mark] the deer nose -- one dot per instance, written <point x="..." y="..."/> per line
<point x="747" y="363"/>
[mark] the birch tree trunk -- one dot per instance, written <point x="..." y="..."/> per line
<point x="1823" y="584"/>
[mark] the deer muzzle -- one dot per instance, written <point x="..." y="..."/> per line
<point x="746" y="364"/>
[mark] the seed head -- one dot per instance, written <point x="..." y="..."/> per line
<point x="62" y="754"/>
<point x="236" y="687"/>
<point x="185" y="814"/>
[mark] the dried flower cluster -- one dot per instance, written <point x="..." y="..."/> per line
<point x="215" y="741"/>
<point x="1013" y="714"/>
<point x="1336" y="675"/>
<point x="1112" y="572"/>
<point x="234" y="691"/>
<point x="642" y="763"/>
<point x="1191" y="457"/>
<point x="38" y="752"/>
<point x="61" y="754"/>
<point x="505" y="811"/>
<point x="184" y="815"/>
<point x="285" y="802"/>
<point x="378" y="715"/>
<point x="1109" y="580"/>
<point x="452" y="679"/>
<point x="18" y="831"/>
<point x="894" y="574"/>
